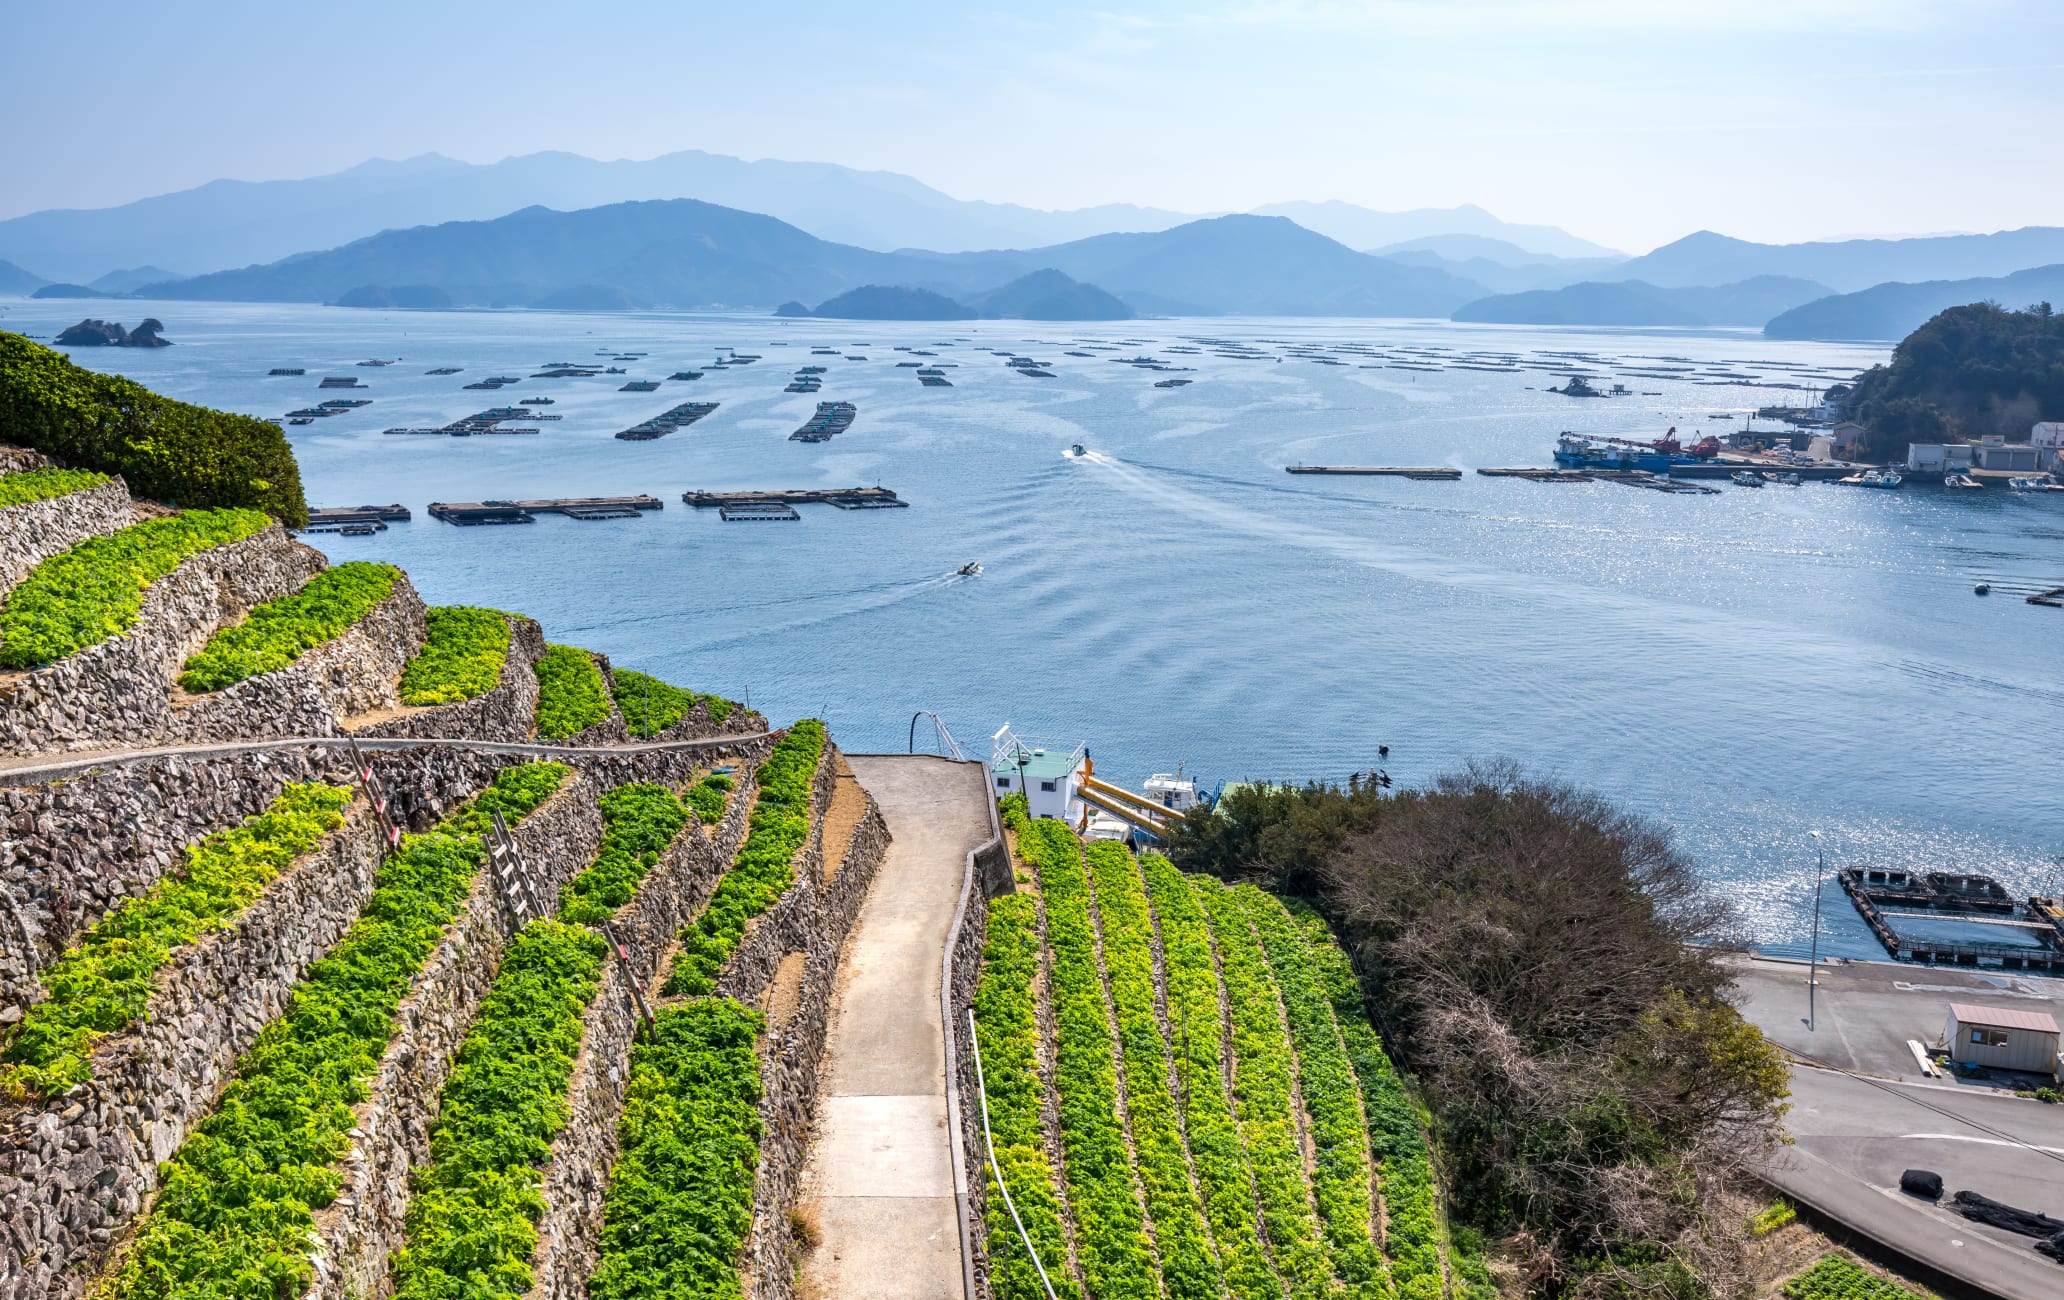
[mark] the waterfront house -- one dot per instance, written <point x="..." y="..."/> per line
<point x="1848" y="436"/>
<point x="2047" y="437"/>
<point x="1996" y="453"/>
<point x="1936" y="458"/>
<point x="2001" y="1038"/>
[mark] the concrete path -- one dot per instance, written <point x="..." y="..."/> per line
<point x="880" y="1176"/>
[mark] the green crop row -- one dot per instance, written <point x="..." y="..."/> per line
<point x="709" y="797"/>
<point x="462" y="658"/>
<point x="639" y="822"/>
<point x="1110" y="1231"/>
<point x="1262" y="1092"/>
<point x="1836" y="1278"/>
<point x="94" y="591"/>
<point x="650" y="706"/>
<point x="278" y="632"/>
<point x="235" y="1217"/>
<point x="43" y="484"/>
<point x="1332" y="1100"/>
<point x="1180" y="1238"/>
<point x="1195" y="1020"/>
<point x="680" y="1201"/>
<point x="103" y="982"/>
<point x="472" y="1222"/>
<point x="167" y="450"/>
<point x="1397" y="1137"/>
<point x="571" y="693"/>
<point x="765" y="866"/>
<point x="1007" y="1035"/>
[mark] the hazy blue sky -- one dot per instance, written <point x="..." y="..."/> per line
<point x="1627" y="121"/>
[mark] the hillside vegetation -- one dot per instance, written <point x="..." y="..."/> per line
<point x="1968" y="372"/>
<point x="1527" y="950"/>
<point x="168" y="451"/>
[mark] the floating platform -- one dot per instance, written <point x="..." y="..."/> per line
<point x="325" y="518"/>
<point x="640" y="386"/>
<point x="672" y="419"/>
<point x="2054" y="598"/>
<point x="765" y="511"/>
<point x="480" y="422"/>
<point x="524" y="512"/>
<point x="348" y="381"/>
<point x="1728" y="468"/>
<point x="1382" y="471"/>
<point x="832" y="419"/>
<point x="284" y="370"/>
<point x="1532" y="475"/>
<point x="856" y="498"/>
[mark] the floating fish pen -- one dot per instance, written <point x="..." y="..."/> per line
<point x="524" y="512"/>
<point x="483" y="422"/>
<point x="640" y="386"/>
<point x="823" y="352"/>
<point x="1171" y="383"/>
<point x="1032" y="373"/>
<point x="568" y="372"/>
<point x="346" y="381"/>
<point x="375" y="363"/>
<point x="857" y="498"/>
<point x="486" y="385"/>
<point x="804" y="386"/>
<point x="326" y="409"/>
<point x="1936" y="897"/>
<point x="537" y="401"/>
<point x="1540" y="475"/>
<point x="277" y="371"/>
<point x="1641" y="478"/>
<point x="757" y="512"/>
<point x="355" y="521"/>
<point x="444" y="370"/>
<point x="2053" y="598"/>
<point x="668" y="421"/>
<point x="810" y="370"/>
<point x="685" y="375"/>
<point x="832" y="419"/>
<point x="1382" y="471"/>
<point x="935" y="381"/>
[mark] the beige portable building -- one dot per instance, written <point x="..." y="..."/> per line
<point x="2002" y="1038"/>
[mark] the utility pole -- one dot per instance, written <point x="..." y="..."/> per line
<point x="1813" y="960"/>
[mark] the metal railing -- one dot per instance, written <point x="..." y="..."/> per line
<point x="989" y="1142"/>
<point x="946" y="737"/>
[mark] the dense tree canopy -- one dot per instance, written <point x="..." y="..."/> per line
<point x="1968" y="372"/>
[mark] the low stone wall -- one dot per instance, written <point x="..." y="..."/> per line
<point x="697" y="724"/>
<point x="990" y="874"/>
<point x="33" y="532"/>
<point x="71" y="850"/>
<point x="357" y="1235"/>
<point x="569" y="1234"/>
<point x="19" y="460"/>
<point x="503" y="713"/>
<point x="75" y="1168"/>
<point x="355" y="673"/>
<point x="118" y="692"/>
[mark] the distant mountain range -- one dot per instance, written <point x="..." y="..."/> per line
<point x="1634" y="302"/>
<point x="683" y="253"/>
<point x="1893" y="311"/>
<point x="227" y="223"/>
<point x="16" y="281"/>
<point x="1042" y="295"/>
<point x="1849" y="265"/>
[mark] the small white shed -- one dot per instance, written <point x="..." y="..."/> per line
<point x="2002" y="1038"/>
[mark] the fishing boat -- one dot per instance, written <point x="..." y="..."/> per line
<point x="1962" y="482"/>
<point x="969" y="570"/>
<point x="1076" y="450"/>
<point x="1883" y="478"/>
<point x="1748" y="478"/>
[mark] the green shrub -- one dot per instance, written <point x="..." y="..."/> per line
<point x="1215" y="1150"/>
<point x="237" y="1208"/>
<point x="102" y="983"/>
<point x="94" y="591"/>
<point x="571" y="693"/>
<point x="679" y="1203"/>
<point x="1774" y="1216"/>
<point x="1836" y="1278"/>
<point x="278" y="632"/>
<point x="1007" y="1034"/>
<point x="167" y="450"/>
<point x="1180" y="1239"/>
<point x="44" y="484"/>
<point x="460" y="659"/>
<point x="765" y="867"/>
<point x="649" y="705"/>
<point x="1111" y="1240"/>
<point x="639" y="821"/>
<point x="709" y="797"/>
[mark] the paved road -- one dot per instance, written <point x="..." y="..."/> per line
<point x="880" y="1176"/>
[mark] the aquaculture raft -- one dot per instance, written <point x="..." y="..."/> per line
<point x="832" y="419"/>
<point x="524" y="512"/>
<point x="1385" y="471"/>
<point x="667" y="421"/>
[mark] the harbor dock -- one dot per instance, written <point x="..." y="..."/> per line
<point x="1431" y="472"/>
<point x="524" y="512"/>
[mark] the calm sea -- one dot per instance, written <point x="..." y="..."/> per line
<point x="1745" y="667"/>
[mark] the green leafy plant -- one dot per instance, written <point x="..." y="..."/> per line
<point x="102" y="983"/>
<point x="1198" y="1027"/>
<point x="679" y="1203"/>
<point x="1111" y="1240"/>
<point x="1008" y="1036"/>
<point x="639" y="822"/>
<point x="650" y="706"/>
<point x="1836" y="1278"/>
<point x="765" y="867"/>
<point x="709" y="797"/>
<point x="94" y="591"/>
<point x="167" y="450"/>
<point x="461" y="658"/>
<point x="1340" y="1179"/>
<point x="278" y="632"/>
<point x="1773" y="1216"/>
<point x="44" y="484"/>
<point x="236" y="1212"/>
<point x="571" y="694"/>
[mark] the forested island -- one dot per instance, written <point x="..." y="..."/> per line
<point x="1969" y="372"/>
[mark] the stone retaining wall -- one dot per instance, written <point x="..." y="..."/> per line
<point x="696" y="724"/>
<point x="20" y="460"/>
<point x="503" y="713"/>
<point x="569" y="1235"/>
<point x="990" y="874"/>
<point x="357" y="1235"/>
<point x="118" y="692"/>
<point x="75" y="1168"/>
<point x="33" y="532"/>
<point x="354" y="673"/>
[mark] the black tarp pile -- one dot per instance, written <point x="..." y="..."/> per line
<point x="1983" y="1209"/>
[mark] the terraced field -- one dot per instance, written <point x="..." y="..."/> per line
<point x="1185" y="1096"/>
